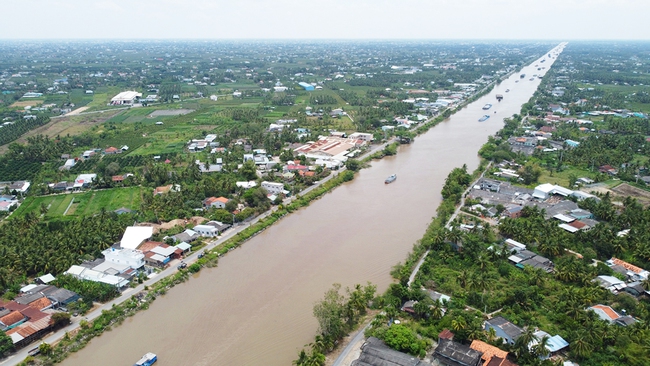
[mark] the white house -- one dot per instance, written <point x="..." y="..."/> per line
<point x="361" y="136"/>
<point x="246" y="185"/>
<point x="546" y="190"/>
<point x="272" y="187"/>
<point x="84" y="180"/>
<point x="211" y="228"/>
<point x="130" y="257"/>
<point x="206" y="230"/>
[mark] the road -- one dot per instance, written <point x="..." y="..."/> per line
<point x="351" y="345"/>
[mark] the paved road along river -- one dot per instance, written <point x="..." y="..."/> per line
<point x="255" y="308"/>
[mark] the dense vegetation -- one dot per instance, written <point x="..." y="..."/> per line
<point x="29" y="247"/>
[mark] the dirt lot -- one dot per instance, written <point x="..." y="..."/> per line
<point x="195" y="220"/>
<point x="26" y="103"/>
<point x="77" y="111"/>
<point x="624" y="190"/>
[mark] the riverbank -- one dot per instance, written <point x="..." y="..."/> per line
<point x="75" y="336"/>
<point x="258" y="303"/>
<point x="446" y="212"/>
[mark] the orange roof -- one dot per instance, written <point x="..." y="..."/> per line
<point x="163" y="189"/>
<point x="12" y="318"/>
<point x="210" y="200"/>
<point x="222" y="199"/>
<point x="607" y="310"/>
<point x="628" y="266"/>
<point x="488" y="350"/>
<point x="41" y="303"/>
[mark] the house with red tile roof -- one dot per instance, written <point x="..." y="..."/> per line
<point x="12" y="320"/>
<point x="605" y="312"/>
<point x="490" y="355"/>
<point x="112" y="150"/>
<point x="218" y="202"/>
<point x="636" y="273"/>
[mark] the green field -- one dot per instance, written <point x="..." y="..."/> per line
<point x="84" y="204"/>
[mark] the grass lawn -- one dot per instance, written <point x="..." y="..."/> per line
<point x="562" y="178"/>
<point x="85" y="204"/>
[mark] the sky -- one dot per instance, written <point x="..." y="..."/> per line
<point x="326" y="19"/>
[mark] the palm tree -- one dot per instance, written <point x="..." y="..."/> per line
<point x="491" y="335"/>
<point x="459" y="323"/>
<point x="436" y="310"/>
<point x="540" y="348"/>
<point x="581" y="346"/>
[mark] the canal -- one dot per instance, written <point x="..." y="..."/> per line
<point x="255" y="308"/>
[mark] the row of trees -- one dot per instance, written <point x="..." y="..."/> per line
<point x="337" y="314"/>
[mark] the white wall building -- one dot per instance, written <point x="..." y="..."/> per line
<point x="127" y="97"/>
<point x="206" y="230"/>
<point x="88" y="274"/>
<point x="272" y="187"/>
<point x="362" y="136"/>
<point x="129" y="257"/>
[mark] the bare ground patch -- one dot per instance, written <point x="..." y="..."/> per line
<point x="625" y="190"/>
<point x="26" y="103"/>
<point x="62" y="126"/>
<point x="77" y="111"/>
<point x="195" y="220"/>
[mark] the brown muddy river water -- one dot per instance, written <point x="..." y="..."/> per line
<point x="255" y="308"/>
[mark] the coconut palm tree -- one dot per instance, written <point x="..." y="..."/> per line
<point x="459" y="323"/>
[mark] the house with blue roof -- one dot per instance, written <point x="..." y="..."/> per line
<point x="554" y="344"/>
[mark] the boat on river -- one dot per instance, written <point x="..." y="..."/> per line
<point x="484" y="118"/>
<point x="391" y="179"/>
<point x="147" y="360"/>
<point x="522" y="76"/>
<point x="487" y="106"/>
<point x="507" y="90"/>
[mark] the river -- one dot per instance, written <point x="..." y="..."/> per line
<point x="255" y="308"/>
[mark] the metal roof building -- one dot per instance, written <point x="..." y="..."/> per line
<point x="306" y="86"/>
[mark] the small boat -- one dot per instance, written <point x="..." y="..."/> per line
<point x="522" y="76"/>
<point x="484" y="118"/>
<point x="391" y="179"/>
<point x="147" y="360"/>
<point x="531" y="79"/>
<point x="487" y="106"/>
<point x="507" y="90"/>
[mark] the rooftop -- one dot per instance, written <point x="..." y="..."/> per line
<point x="488" y="350"/>
<point x="457" y="353"/>
<point x="134" y="235"/>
